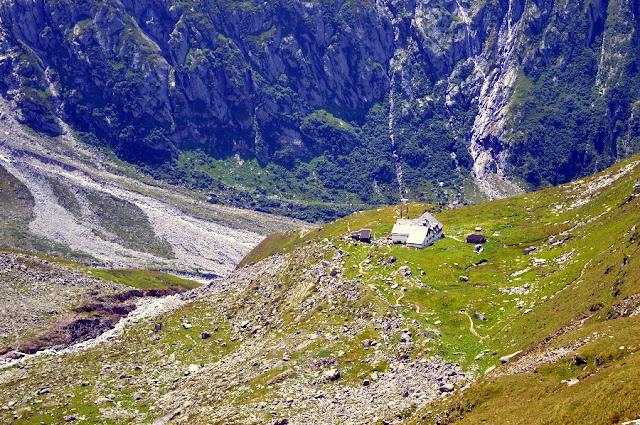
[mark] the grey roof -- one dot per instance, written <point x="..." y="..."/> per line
<point x="428" y="218"/>
<point x="403" y="226"/>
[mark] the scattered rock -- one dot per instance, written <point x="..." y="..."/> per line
<point x="193" y="368"/>
<point x="157" y="327"/>
<point x="187" y="325"/>
<point x="331" y="374"/>
<point x="405" y="337"/>
<point x="506" y="359"/>
<point x="479" y="315"/>
<point x="478" y="249"/>
<point x="205" y="335"/>
<point x="405" y="271"/>
<point x="44" y="390"/>
<point x="392" y="260"/>
<point x="446" y="388"/>
<point x="464" y="278"/>
<point x="103" y="400"/>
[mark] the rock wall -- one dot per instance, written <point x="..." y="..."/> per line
<point x="154" y="77"/>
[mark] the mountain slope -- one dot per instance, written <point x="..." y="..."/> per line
<point x="343" y="101"/>
<point x="319" y="329"/>
<point x="48" y="302"/>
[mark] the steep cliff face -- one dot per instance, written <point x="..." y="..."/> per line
<point x="211" y="73"/>
<point x="549" y="107"/>
<point x="461" y="88"/>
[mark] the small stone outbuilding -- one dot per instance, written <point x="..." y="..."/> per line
<point x="476" y="239"/>
<point x="363" y="235"/>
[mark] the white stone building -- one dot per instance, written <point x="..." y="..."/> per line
<point x="419" y="233"/>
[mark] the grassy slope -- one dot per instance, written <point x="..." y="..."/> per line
<point x="584" y="273"/>
<point x="144" y="279"/>
<point x="603" y="272"/>
<point x="139" y="279"/>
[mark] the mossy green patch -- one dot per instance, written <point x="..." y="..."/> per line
<point x="144" y="279"/>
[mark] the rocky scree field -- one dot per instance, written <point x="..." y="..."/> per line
<point x="315" y="328"/>
<point x="64" y="198"/>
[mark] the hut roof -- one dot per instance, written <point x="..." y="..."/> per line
<point x="417" y="235"/>
<point x="429" y="220"/>
<point x="401" y="229"/>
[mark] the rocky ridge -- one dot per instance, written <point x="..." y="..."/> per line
<point x="299" y="383"/>
<point x="36" y="292"/>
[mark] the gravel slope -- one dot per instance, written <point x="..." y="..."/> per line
<point x="206" y="239"/>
